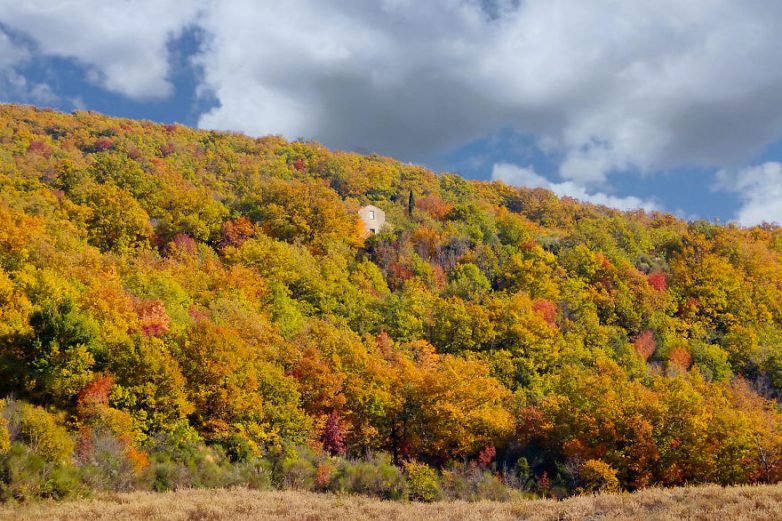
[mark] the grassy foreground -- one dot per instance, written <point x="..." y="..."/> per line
<point x="693" y="503"/>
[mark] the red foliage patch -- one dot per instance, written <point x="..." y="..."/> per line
<point x="603" y="260"/>
<point x="546" y="308"/>
<point x="398" y="274"/>
<point x="434" y="206"/>
<point x="658" y="281"/>
<point x="333" y="435"/>
<point x="486" y="456"/>
<point x="95" y="393"/>
<point x="645" y="344"/>
<point x="138" y="459"/>
<point x="84" y="443"/>
<point x="681" y="357"/>
<point x="167" y="149"/>
<point x="544" y="484"/>
<point x="689" y="307"/>
<point x="439" y="278"/>
<point x="323" y="475"/>
<point x="38" y="147"/>
<point x="183" y="243"/>
<point x="299" y="165"/>
<point x="384" y="344"/>
<point x="236" y="232"/>
<point x="153" y="317"/>
<point x="197" y="314"/>
<point x="102" y="145"/>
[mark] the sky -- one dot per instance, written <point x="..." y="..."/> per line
<point x="668" y="105"/>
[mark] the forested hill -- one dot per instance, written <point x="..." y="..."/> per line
<point x="179" y="290"/>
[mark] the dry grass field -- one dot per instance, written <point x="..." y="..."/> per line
<point x="696" y="503"/>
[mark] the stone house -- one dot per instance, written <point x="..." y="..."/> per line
<point x="373" y="218"/>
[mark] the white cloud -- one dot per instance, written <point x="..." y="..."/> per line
<point x="13" y="85"/>
<point x="520" y="176"/>
<point x="10" y="53"/>
<point x="385" y="76"/>
<point x="122" y="43"/>
<point x="608" y="85"/>
<point x="760" y="190"/>
<point x="604" y="86"/>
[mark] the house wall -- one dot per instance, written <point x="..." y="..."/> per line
<point x="372" y="223"/>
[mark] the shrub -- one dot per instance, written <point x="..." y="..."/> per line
<point x="374" y="477"/>
<point x="323" y="475"/>
<point x="471" y="483"/>
<point x="298" y="473"/>
<point x="26" y="475"/>
<point x="489" y="487"/>
<point x="168" y="475"/>
<point x="213" y="469"/>
<point x="107" y="463"/>
<point x="40" y="431"/>
<point x="598" y="476"/>
<point x="5" y="438"/>
<point x="256" y="474"/>
<point x="207" y="467"/>
<point x="423" y="482"/>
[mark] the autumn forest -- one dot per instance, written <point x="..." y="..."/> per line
<point x="188" y="308"/>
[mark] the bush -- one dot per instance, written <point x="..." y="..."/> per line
<point x="423" y="481"/>
<point x="598" y="476"/>
<point x="5" y="437"/>
<point x="256" y="474"/>
<point x="107" y="463"/>
<point x="471" y="483"/>
<point x="39" y="430"/>
<point x="324" y="473"/>
<point x="489" y="487"/>
<point x="168" y="475"/>
<point x="207" y="468"/>
<point x="26" y="475"/>
<point x="298" y="473"/>
<point x="374" y="477"/>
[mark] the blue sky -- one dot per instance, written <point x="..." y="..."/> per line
<point x="667" y="105"/>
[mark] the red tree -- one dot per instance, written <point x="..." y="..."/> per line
<point x="486" y="456"/>
<point x="681" y="357"/>
<point x="658" y="281"/>
<point x="236" y="232"/>
<point x="102" y="145"/>
<point x="546" y="308"/>
<point x="95" y="393"/>
<point x="333" y="436"/>
<point x="645" y="344"/>
<point x="153" y="317"/>
<point x="182" y="243"/>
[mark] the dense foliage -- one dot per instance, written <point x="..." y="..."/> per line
<point x="172" y="297"/>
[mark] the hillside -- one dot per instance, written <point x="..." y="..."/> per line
<point x="185" y="308"/>
<point x="696" y="504"/>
